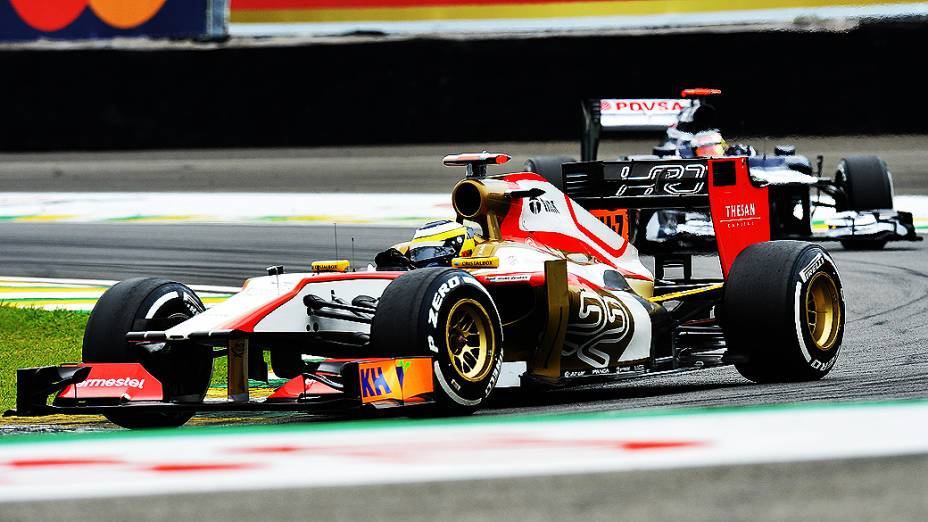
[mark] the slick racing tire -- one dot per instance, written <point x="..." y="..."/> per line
<point x="141" y="304"/>
<point x="783" y="312"/>
<point x="867" y="183"/>
<point x="549" y="167"/>
<point x="448" y="315"/>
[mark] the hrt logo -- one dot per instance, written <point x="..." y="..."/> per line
<point x="373" y="383"/>
<point x="663" y="178"/>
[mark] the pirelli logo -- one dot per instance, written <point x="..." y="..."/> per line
<point x="475" y="262"/>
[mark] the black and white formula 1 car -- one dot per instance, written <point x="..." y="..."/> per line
<point x="861" y="192"/>
<point x="526" y="288"/>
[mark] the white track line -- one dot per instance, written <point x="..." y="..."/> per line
<point x="321" y="209"/>
<point x="233" y="207"/>
<point x="33" y="281"/>
<point x="316" y="455"/>
<point x="78" y="294"/>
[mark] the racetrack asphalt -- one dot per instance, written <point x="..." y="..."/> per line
<point x="883" y="356"/>
<point x="406" y="168"/>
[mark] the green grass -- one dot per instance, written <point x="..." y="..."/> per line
<point x="35" y="337"/>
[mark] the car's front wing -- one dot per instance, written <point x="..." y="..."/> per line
<point x="332" y="385"/>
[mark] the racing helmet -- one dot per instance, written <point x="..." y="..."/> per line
<point x="708" y="144"/>
<point x="438" y="242"/>
<point x="698" y="117"/>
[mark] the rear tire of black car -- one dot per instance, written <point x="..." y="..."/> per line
<point x="150" y="304"/>
<point x="549" y="167"/>
<point x="867" y="183"/>
<point x="448" y="315"/>
<point x="783" y="312"/>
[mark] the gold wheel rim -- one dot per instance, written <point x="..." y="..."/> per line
<point x="823" y="311"/>
<point x="470" y="339"/>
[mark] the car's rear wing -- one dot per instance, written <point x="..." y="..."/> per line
<point x="739" y="208"/>
<point x="617" y="114"/>
<point x="655" y="184"/>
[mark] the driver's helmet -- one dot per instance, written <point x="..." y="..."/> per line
<point x="708" y="144"/>
<point x="438" y="242"/>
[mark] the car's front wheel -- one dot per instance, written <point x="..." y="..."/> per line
<point x="448" y="315"/>
<point x="183" y="369"/>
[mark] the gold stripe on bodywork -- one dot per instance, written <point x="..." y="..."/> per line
<point x="546" y="361"/>
<point x="685" y="293"/>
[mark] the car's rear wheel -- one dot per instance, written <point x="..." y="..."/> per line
<point x="549" y="167"/>
<point x="783" y="312"/>
<point x="867" y="183"/>
<point x="183" y="369"/>
<point x="445" y="314"/>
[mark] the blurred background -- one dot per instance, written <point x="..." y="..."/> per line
<point x="150" y="74"/>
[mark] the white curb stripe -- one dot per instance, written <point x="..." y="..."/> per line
<point x="79" y="294"/>
<point x="237" y="207"/>
<point x="321" y="209"/>
<point x="410" y="451"/>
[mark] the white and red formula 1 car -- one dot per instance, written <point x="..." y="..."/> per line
<point x="526" y="288"/>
